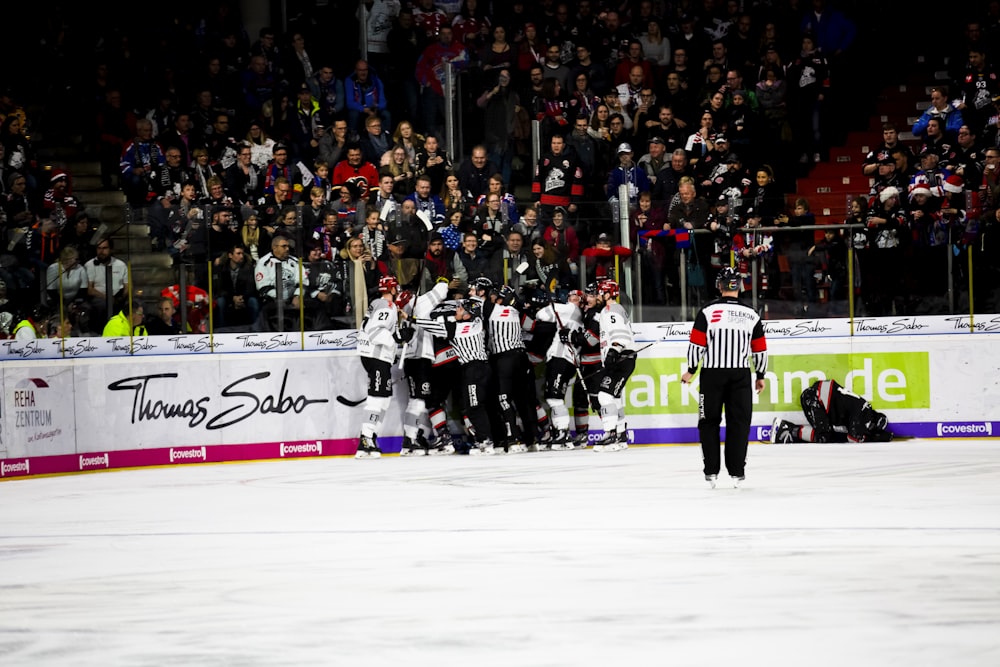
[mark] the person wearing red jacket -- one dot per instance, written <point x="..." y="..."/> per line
<point x="355" y="170"/>
<point x="600" y="259"/>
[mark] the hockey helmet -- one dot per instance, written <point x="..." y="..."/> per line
<point x="728" y="280"/>
<point x="473" y="307"/>
<point x="540" y="298"/>
<point x="482" y="285"/>
<point x="574" y="292"/>
<point x="505" y="294"/>
<point x="608" y="288"/>
<point x="591" y="289"/>
<point x="387" y="283"/>
<point x="403" y="300"/>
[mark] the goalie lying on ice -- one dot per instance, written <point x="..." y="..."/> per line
<point x="835" y="415"/>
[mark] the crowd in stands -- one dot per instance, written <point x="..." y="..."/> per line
<point x="282" y="171"/>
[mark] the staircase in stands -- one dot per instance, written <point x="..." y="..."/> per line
<point x="150" y="272"/>
<point x="832" y="184"/>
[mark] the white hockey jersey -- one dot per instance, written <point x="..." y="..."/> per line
<point x="375" y="339"/>
<point x="572" y="318"/>
<point x="265" y="271"/>
<point x="616" y="329"/>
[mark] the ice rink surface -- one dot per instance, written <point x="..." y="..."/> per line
<point x="853" y="555"/>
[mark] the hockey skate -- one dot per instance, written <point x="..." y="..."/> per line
<point x="781" y="431"/>
<point x="738" y="481"/>
<point x="581" y="440"/>
<point x="368" y="448"/>
<point x="411" y="448"/>
<point x="484" y="448"/>
<point x="560" y="441"/>
<point x="711" y="479"/>
<point x="613" y="441"/>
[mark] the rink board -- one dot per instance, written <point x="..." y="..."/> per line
<point x="86" y="413"/>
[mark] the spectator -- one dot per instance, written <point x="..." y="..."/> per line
<point x="375" y="141"/>
<point x="474" y="173"/>
<point x="328" y="91"/>
<point x="279" y="264"/>
<point x="563" y="240"/>
<point x="242" y="179"/>
<point x="601" y="259"/>
<point x="433" y="161"/>
<point x="436" y="267"/>
<point x="365" y="98"/>
<point x="128" y="322"/>
<point x="808" y="84"/>
<point x="354" y="169"/>
<point x="139" y="157"/>
<point x="98" y="289"/>
<point x="430" y="73"/>
<point x="547" y="269"/>
<point x="504" y="263"/>
<point x="66" y="278"/>
<point x="427" y="206"/>
<point x="469" y="263"/>
<point x="261" y="144"/>
<point x="629" y="174"/>
<point x="163" y="322"/>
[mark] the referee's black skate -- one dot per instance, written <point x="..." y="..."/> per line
<point x="581" y="440"/>
<point x="368" y="448"/>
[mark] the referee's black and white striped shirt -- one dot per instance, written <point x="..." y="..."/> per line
<point x="726" y="334"/>
<point x="505" y="330"/>
<point x="469" y="340"/>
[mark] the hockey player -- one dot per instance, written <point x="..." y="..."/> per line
<point x="618" y="358"/>
<point x="467" y="335"/>
<point x="587" y="340"/>
<point x="835" y="415"/>
<point x="725" y="335"/>
<point x="417" y="364"/>
<point x="560" y="365"/>
<point x="445" y="376"/>
<point x="511" y="369"/>
<point x="377" y="342"/>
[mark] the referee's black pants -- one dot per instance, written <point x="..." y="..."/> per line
<point x="476" y="402"/>
<point x="512" y="374"/>
<point x="732" y="389"/>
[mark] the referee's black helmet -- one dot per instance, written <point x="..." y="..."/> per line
<point x="728" y="280"/>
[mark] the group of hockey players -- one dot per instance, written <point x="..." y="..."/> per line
<point x="475" y="355"/>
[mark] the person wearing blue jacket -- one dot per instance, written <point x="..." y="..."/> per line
<point x="365" y="96"/>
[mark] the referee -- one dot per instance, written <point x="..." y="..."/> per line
<point x="725" y="335"/>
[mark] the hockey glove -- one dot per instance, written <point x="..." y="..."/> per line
<point x="404" y="335"/>
<point x="564" y="336"/>
<point x="579" y="338"/>
<point x="612" y="357"/>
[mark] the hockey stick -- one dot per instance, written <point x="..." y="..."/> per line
<point x="343" y="400"/>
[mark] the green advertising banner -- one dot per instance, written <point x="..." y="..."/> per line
<point x="896" y="380"/>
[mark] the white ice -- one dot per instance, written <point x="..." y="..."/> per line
<point x="851" y="555"/>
